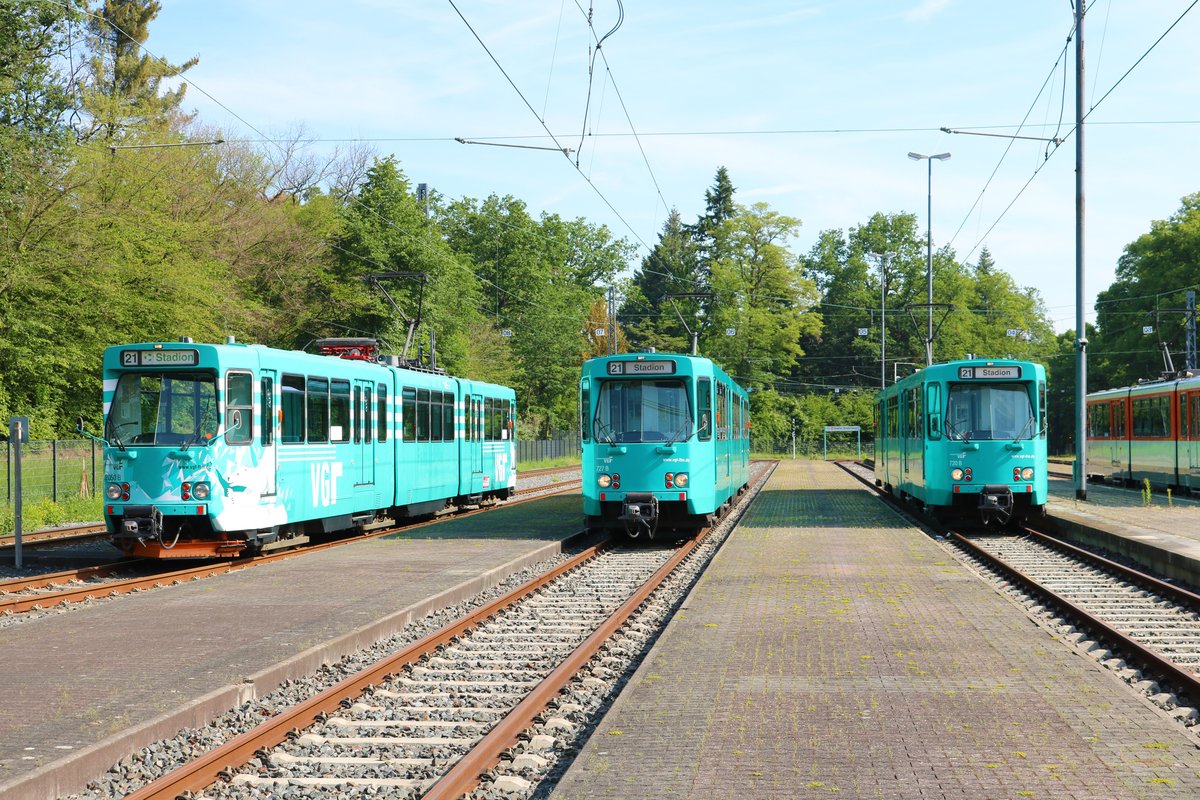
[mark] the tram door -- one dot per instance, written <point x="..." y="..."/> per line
<point x="475" y="435"/>
<point x="364" y="431"/>
<point x="1189" y="436"/>
<point x="1120" y="442"/>
<point x="268" y="430"/>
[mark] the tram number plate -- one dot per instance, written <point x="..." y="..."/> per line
<point x="159" y="358"/>
<point x="988" y="373"/>
<point x="641" y="368"/>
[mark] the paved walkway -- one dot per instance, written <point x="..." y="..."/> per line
<point x="832" y="650"/>
<point x="75" y="685"/>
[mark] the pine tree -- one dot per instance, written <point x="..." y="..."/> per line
<point x="124" y="95"/>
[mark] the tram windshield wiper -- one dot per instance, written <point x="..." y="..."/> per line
<point x="678" y="435"/>
<point x="1028" y="427"/>
<point x="603" y="431"/>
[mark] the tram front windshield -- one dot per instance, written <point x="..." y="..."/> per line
<point x="990" y="411"/>
<point x="643" y="411"/>
<point x="154" y="408"/>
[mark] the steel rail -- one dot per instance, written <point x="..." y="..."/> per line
<point x="22" y="603"/>
<point x="1176" y="593"/>
<point x="19" y="604"/>
<point x="1188" y="679"/>
<point x="210" y="767"/>
<point x="465" y="775"/>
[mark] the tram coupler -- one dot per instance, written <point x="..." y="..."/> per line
<point x="640" y="513"/>
<point x="144" y="523"/>
<point x="995" y="503"/>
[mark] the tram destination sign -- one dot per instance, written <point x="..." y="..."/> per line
<point x="989" y="373"/>
<point x="159" y="358"/>
<point x="658" y="367"/>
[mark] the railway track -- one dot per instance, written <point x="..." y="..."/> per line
<point x="86" y="584"/>
<point x="1146" y="629"/>
<point x="498" y="696"/>
<point x="1131" y="621"/>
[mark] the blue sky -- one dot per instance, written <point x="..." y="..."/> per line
<point x="811" y="106"/>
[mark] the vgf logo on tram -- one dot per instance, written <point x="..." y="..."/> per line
<point x="324" y="482"/>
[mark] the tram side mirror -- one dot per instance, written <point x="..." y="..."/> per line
<point x="79" y="424"/>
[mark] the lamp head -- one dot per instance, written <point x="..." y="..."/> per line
<point x="916" y="156"/>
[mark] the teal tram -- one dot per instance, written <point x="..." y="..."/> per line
<point x="218" y="450"/>
<point x="666" y="442"/>
<point x="966" y="439"/>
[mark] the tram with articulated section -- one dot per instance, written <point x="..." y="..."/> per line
<point x="966" y="439"/>
<point x="223" y="450"/>
<point x="666" y="442"/>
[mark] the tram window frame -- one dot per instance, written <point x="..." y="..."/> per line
<point x="585" y="408"/>
<point x="422" y="415"/>
<point x="240" y="400"/>
<point x="316" y="404"/>
<point x="436" y="399"/>
<point x="704" y="402"/>
<point x="408" y="413"/>
<point x="384" y="421"/>
<point x="339" y="410"/>
<point x="356" y="402"/>
<point x="267" y="422"/>
<point x="448" y="431"/>
<point x="292" y="409"/>
<point x="1100" y="420"/>
<point x="1043" y="414"/>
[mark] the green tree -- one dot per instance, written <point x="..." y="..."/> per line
<point x="124" y="94"/>
<point x="650" y="315"/>
<point x="761" y="296"/>
<point x="384" y="229"/>
<point x="1154" y="272"/>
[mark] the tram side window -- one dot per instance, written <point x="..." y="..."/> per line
<point x="268" y="411"/>
<point x="1042" y="409"/>
<point x="448" y="417"/>
<point x="410" y="413"/>
<point x="435" y="415"/>
<point x="360" y="413"/>
<point x="339" y="411"/>
<point x="239" y="408"/>
<point x="422" y="415"/>
<point x="1099" y="421"/>
<point x="1196" y="415"/>
<point x="585" y="407"/>
<point x="318" y="409"/>
<point x="383" y="421"/>
<point x="490" y="426"/>
<point x="1152" y="417"/>
<point x="704" y="406"/>
<point x="292" y="408"/>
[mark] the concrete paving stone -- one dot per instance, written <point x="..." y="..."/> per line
<point x="833" y="650"/>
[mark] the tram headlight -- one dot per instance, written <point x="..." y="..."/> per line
<point x="200" y="490"/>
<point x="956" y="474"/>
<point x="113" y="491"/>
<point x="681" y="479"/>
<point x="603" y="481"/>
<point x="1027" y="473"/>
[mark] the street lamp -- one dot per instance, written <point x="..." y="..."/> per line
<point x="929" y="247"/>
<point x="882" y="319"/>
